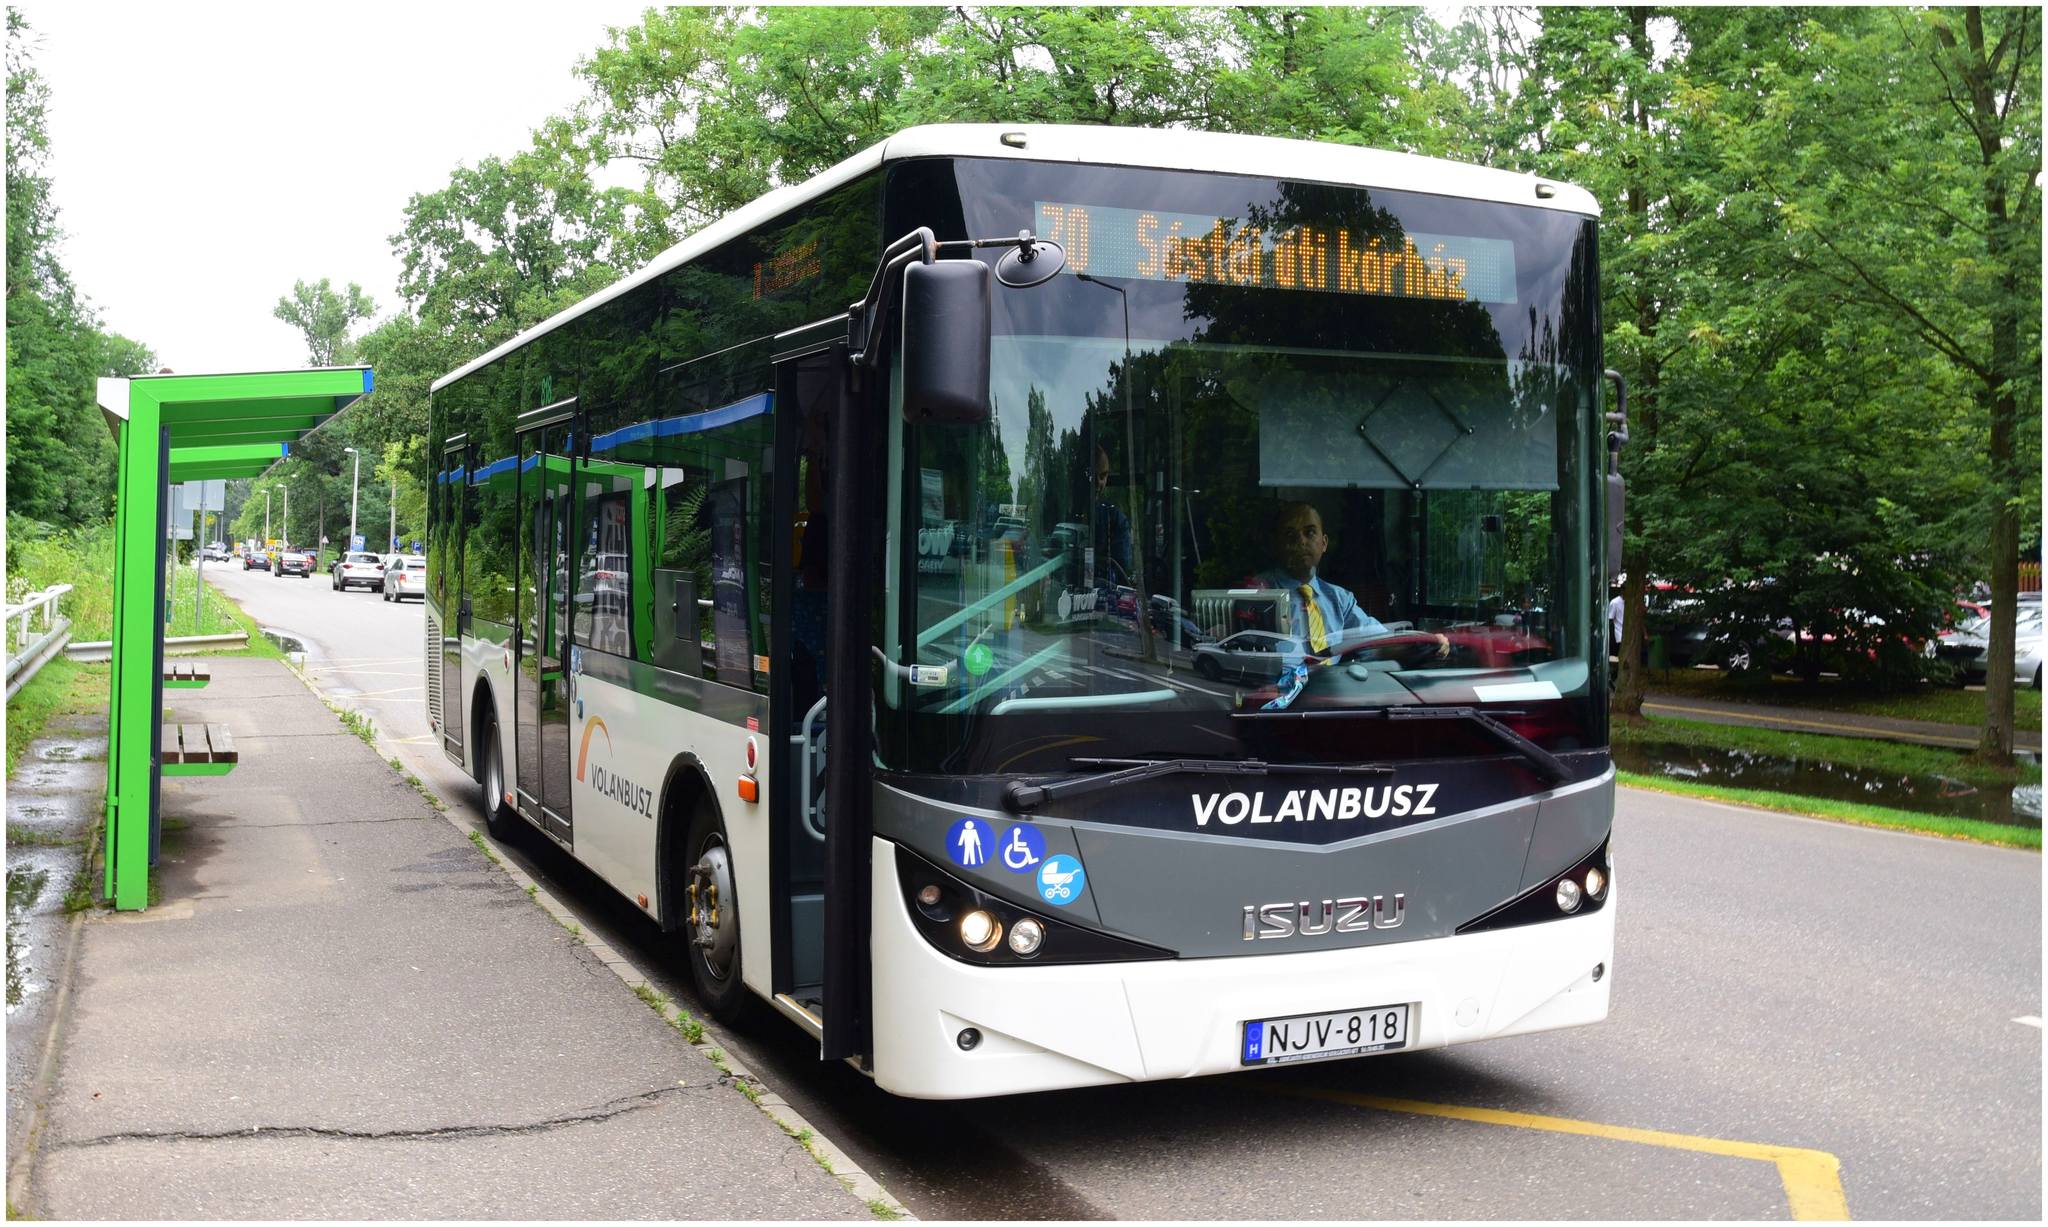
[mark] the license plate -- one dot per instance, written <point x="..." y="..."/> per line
<point x="1314" y="1037"/>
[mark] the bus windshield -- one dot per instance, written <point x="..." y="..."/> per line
<point x="1264" y="450"/>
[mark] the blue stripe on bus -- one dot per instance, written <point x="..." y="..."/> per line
<point x="687" y="424"/>
<point x="494" y="468"/>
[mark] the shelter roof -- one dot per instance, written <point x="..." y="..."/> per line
<point x="236" y="424"/>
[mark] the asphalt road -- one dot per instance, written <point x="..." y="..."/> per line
<point x="1781" y="982"/>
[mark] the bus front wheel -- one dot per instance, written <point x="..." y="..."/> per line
<point x="711" y="926"/>
<point x="498" y="816"/>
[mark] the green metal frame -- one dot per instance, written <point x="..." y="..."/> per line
<point x="173" y="428"/>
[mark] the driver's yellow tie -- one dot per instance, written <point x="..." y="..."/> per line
<point x="1318" y="634"/>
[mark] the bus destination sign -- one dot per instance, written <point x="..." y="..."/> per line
<point x="1154" y="245"/>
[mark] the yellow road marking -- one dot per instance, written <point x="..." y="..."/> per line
<point x="1858" y="730"/>
<point x="1812" y="1178"/>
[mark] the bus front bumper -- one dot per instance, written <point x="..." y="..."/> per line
<point x="1044" y="1028"/>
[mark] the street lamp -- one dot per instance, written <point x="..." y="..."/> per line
<point x="354" y="478"/>
<point x="287" y="515"/>
<point x="266" y="515"/>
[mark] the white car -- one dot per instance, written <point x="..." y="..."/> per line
<point x="2026" y="647"/>
<point x="1254" y="656"/>
<point x="405" y="575"/>
<point x="359" y="567"/>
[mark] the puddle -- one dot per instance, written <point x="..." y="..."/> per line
<point x="25" y="887"/>
<point x="1926" y="794"/>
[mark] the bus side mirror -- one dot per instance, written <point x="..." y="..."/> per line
<point x="947" y="322"/>
<point x="1617" y="493"/>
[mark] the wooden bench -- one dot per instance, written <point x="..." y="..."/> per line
<point x="197" y="749"/>
<point x="186" y="677"/>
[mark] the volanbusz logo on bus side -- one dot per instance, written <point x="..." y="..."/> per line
<point x="634" y="796"/>
<point x="1316" y="804"/>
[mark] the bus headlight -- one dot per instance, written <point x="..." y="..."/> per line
<point x="1568" y="896"/>
<point x="967" y="923"/>
<point x="980" y="931"/>
<point x="1026" y="936"/>
<point x="1596" y="883"/>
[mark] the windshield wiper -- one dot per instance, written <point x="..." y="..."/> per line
<point x="1547" y="764"/>
<point x="1021" y="796"/>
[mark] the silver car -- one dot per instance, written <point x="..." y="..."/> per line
<point x="405" y="575"/>
<point x="1252" y="656"/>
<point x="358" y="567"/>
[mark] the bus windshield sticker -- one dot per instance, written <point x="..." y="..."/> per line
<point x="1156" y="245"/>
<point x="1023" y="848"/>
<point x="1061" y="880"/>
<point x="969" y="841"/>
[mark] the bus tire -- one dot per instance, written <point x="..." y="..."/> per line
<point x="499" y="819"/>
<point x="711" y="924"/>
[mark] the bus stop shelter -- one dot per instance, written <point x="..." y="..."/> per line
<point x="169" y="429"/>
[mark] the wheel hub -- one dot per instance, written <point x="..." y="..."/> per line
<point x="714" y="925"/>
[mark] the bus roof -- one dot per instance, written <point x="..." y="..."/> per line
<point x="1151" y="148"/>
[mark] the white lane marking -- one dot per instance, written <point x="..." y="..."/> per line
<point x="378" y="694"/>
<point x="2028" y="1020"/>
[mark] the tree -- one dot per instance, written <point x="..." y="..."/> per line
<point x="324" y="317"/>
<point x="1923" y="216"/>
<point x="60" y="456"/>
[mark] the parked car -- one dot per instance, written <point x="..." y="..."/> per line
<point x="2026" y="644"/>
<point x="358" y="567"/>
<point x="1253" y="656"/>
<point x="405" y="575"/>
<point x="294" y="562"/>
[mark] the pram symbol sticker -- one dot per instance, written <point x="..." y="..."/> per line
<point x="1023" y="848"/>
<point x="1061" y="880"/>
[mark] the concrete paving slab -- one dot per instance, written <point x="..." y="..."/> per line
<point x="339" y="1008"/>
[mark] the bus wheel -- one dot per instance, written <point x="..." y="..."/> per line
<point x="498" y="816"/>
<point x="711" y="927"/>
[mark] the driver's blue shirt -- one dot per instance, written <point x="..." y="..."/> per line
<point x="1343" y="619"/>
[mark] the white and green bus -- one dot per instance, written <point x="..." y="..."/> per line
<point x="1045" y="606"/>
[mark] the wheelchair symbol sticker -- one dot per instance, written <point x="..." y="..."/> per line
<point x="1023" y="849"/>
<point x="969" y="842"/>
<point x="1061" y="880"/>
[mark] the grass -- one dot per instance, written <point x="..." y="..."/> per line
<point x="37" y="837"/>
<point x="418" y="785"/>
<point x="1846" y="811"/>
<point x="484" y="846"/>
<point x="1891" y="757"/>
<point x="1940" y="704"/>
<point x="358" y="723"/>
<point x="60" y="688"/>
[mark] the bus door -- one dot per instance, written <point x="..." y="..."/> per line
<point x="449" y="599"/>
<point x="541" y="715"/>
<point x="809" y="387"/>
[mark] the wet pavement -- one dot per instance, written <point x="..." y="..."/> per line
<point x="53" y="804"/>
<point x="335" y="1007"/>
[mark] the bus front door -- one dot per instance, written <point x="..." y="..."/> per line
<point x="821" y="940"/>
<point x="544" y="678"/>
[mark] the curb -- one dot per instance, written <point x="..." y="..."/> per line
<point x="828" y="1154"/>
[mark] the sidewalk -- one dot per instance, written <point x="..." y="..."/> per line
<point x="1812" y="720"/>
<point x="339" y="1009"/>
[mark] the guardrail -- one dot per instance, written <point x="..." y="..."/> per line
<point x="28" y="650"/>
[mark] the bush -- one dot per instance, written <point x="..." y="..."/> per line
<point x="39" y="555"/>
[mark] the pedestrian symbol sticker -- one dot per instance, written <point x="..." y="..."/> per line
<point x="1061" y="880"/>
<point x="969" y="842"/>
<point x="1023" y="849"/>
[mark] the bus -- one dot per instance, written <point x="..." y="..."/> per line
<point x="1043" y="606"/>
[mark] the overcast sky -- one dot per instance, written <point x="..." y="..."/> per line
<point x="206" y="156"/>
